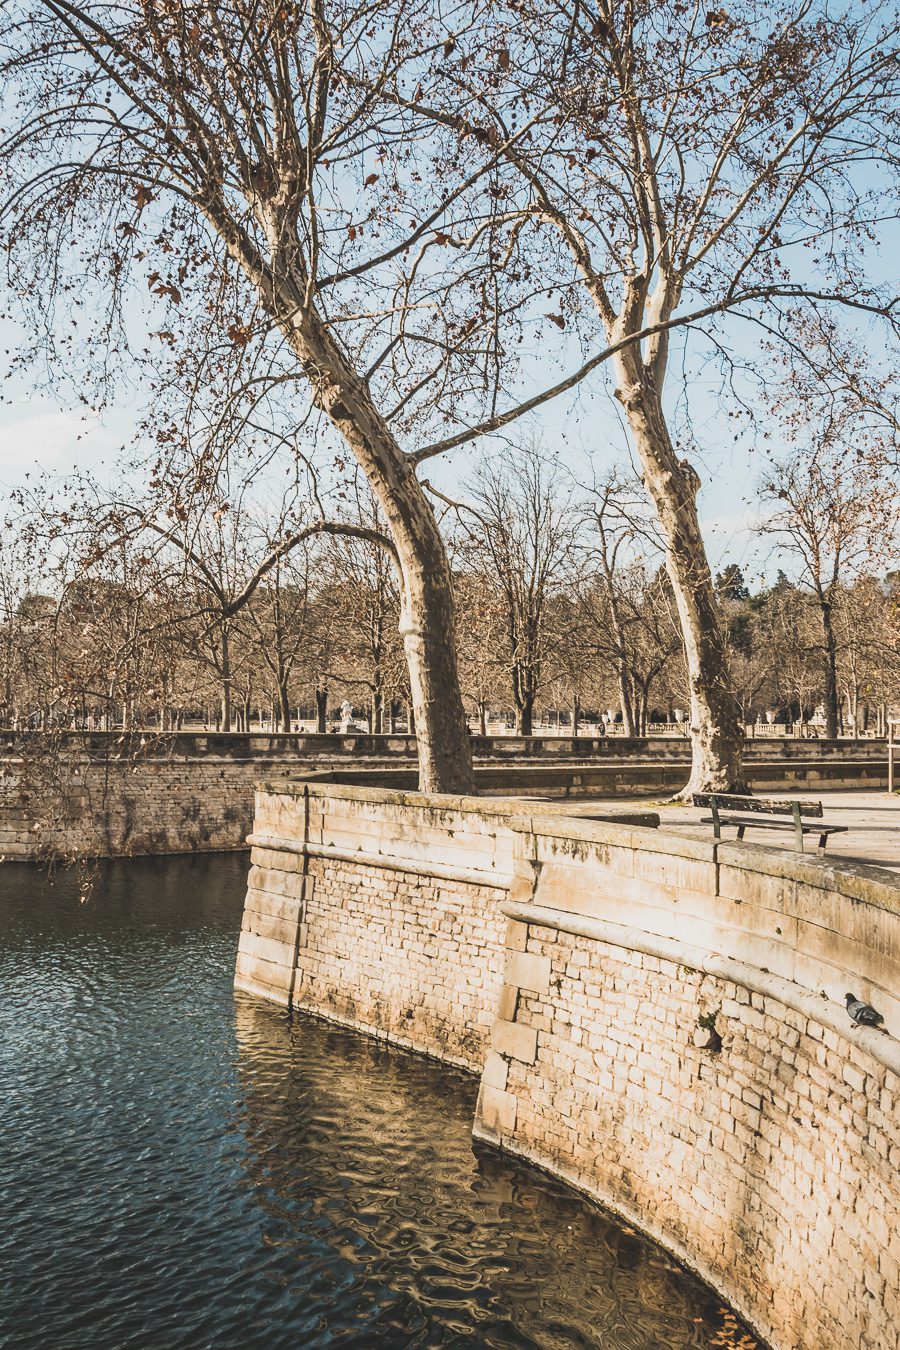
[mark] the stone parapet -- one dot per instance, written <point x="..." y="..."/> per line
<point x="311" y="747"/>
<point x="395" y="903"/>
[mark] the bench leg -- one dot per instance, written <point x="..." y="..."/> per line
<point x="823" y="840"/>
<point x="740" y="833"/>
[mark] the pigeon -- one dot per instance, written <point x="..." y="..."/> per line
<point x="863" y="1013"/>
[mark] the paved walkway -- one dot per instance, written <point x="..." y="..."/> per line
<point x="873" y="818"/>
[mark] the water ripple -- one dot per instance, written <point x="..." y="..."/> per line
<point x="183" y="1168"/>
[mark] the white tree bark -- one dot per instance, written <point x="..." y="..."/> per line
<point x="716" y="732"/>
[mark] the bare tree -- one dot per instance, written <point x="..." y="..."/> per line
<point x="361" y="592"/>
<point x="519" y="529"/>
<point x="14" y="569"/>
<point x="629" y="608"/>
<point x="869" y="669"/>
<point x="843" y="382"/>
<point x="690" y="164"/>
<point x="570" y="669"/>
<point x="479" y="600"/>
<point x="830" y="514"/>
<point x="220" y="154"/>
<point x="279" y="616"/>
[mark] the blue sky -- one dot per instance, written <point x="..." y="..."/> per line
<point x="42" y="428"/>
<point x="45" y="432"/>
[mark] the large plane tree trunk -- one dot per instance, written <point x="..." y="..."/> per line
<point x="832" y="727"/>
<point x="427" y="619"/>
<point x="716" y="735"/>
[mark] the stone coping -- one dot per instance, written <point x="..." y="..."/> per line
<point x="631" y="829"/>
<point x="644" y="836"/>
<point x="860" y="882"/>
<point x="324" y="785"/>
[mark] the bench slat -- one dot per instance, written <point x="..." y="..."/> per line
<point x="774" y="824"/>
<point x="761" y="805"/>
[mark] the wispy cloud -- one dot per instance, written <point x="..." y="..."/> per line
<point x="56" y="441"/>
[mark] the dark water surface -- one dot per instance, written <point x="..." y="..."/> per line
<point x="183" y="1168"/>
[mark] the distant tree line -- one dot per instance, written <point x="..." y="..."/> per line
<point x="566" y="613"/>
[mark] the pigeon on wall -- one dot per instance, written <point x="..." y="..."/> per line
<point x="863" y="1013"/>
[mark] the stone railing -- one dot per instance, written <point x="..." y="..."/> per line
<point x="659" y="1021"/>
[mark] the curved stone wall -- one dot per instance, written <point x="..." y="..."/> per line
<point x="660" y="1021"/>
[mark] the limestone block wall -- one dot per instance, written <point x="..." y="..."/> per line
<point x="673" y="1041"/>
<point x="764" y="1164"/>
<point x="86" y="807"/>
<point x="380" y="910"/>
<point x="659" y="1021"/>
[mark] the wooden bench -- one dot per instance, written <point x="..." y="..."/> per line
<point x="728" y="809"/>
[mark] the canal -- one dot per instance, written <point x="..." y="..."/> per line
<point x="181" y="1167"/>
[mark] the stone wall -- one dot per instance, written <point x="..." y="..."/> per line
<point x="664" y="774"/>
<point x="88" y="807"/>
<point x="677" y="1046"/>
<point x="409" y="948"/>
<point x="659" y="1021"/>
<point x="104" y="793"/>
<point x="309" y="747"/>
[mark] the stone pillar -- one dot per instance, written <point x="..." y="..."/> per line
<point x="495" y="1113"/>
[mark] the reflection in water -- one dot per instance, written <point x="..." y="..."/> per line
<point x="183" y="1169"/>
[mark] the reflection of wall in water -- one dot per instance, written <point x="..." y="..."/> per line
<point x="362" y="1160"/>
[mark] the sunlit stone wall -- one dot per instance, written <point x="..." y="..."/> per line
<point x="382" y="914"/>
<point x="659" y="1021"/>
<point x="674" y="1043"/>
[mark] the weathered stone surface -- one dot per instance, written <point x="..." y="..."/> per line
<point x="498" y="1110"/>
<point x="528" y="971"/>
<point x="508" y="1003"/>
<point x="516" y="936"/>
<point x="265" y="978"/>
<point x="514" y="1040"/>
<point x="267" y="949"/>
<point x="496" y="1070"/>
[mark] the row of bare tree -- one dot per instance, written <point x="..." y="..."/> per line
<point x="563" y="597"/>
<point x="395" y="228"/>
